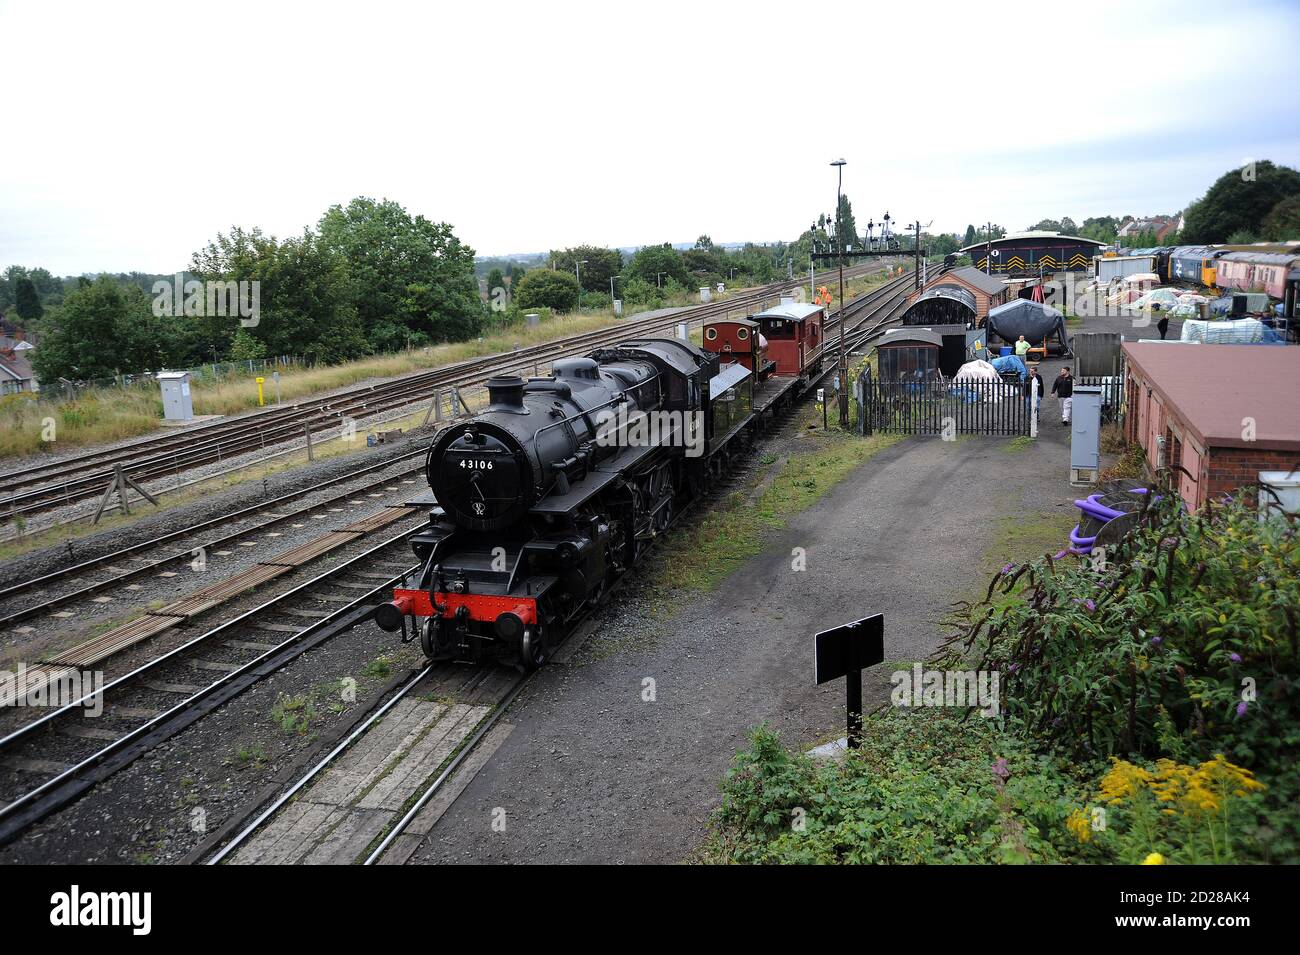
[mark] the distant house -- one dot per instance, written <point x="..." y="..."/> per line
<point x="1161" y="226"/>
<point x="15" y="360"/>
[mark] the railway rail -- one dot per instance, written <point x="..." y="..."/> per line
<point x="189" y="534"/>
<point x="237" y="843"/>
<point x="248" y="659"/>
<point x="24" y="749"/>
<point x="45" y="487"/>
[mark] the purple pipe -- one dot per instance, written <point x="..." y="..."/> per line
<point x="1078" y="540"/>
<point x="1097" y="509"/>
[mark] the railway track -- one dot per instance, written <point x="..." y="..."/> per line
<point x="45" y="487"/>
<point x="262" y="834"/>
<point x="188" y="539"/>
<point x="136" y="702"/>
<point x="155" y="701"/>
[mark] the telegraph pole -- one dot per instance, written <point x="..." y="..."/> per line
<point x="844" y="367"/>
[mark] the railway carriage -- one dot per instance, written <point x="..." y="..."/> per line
<point x="795" y="339"/>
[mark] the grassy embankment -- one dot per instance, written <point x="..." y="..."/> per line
<point x="103" y="415"/>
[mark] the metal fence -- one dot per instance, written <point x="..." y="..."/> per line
<point x="212" y="371"/>
<point x="940" y="406"/>
<point x="1112" y="395"/>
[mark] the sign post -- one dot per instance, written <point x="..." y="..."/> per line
<point x="846" y="651"/>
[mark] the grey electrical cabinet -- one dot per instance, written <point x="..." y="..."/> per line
<point x="177" y="405"/>
<point x="1085" y="434"/>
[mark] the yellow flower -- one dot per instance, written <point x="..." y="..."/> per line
<point x="1154" y="858"/>
<point x="1078" y="824"/>
<point x="1123" y="781"/>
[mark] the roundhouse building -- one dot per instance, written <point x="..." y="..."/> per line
<point x="1029" y="253"/>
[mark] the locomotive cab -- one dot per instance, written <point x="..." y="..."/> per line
<point x="739" y="340"/>
<point x="794" y="333"/>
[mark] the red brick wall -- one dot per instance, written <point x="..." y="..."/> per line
<point x="1230" y="468"/>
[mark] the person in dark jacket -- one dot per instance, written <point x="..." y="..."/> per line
<point x="1163" y="324"/>
<point x="1063" y="388"/>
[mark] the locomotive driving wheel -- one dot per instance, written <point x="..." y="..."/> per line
<point x="532" y="649"/>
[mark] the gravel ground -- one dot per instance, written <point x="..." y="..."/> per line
<point x="595" y="773"/>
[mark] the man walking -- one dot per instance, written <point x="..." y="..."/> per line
<point x="1063" y="388"/>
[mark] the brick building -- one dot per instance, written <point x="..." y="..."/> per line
<point x="1222" y="412"/>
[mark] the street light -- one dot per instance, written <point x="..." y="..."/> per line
<point x="844" y="368"/>
<point x="577" y="270"/>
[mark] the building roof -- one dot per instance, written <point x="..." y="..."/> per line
<point x="912" y="336"/>
<point x="1013" y="236"/>
<point x="791" y="310"/>
<point x="1262" y="258"/>
<point x="15" y="366"/>
<point x="974" y="277"/>
<point x="1213" y="388"/>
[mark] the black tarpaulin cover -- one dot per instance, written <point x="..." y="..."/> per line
<point x="1040" y="324"/>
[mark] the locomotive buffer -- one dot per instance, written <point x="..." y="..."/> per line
<point x="846" y="651"/>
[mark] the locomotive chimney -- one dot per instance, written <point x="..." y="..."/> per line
<point x="506" y="391"/>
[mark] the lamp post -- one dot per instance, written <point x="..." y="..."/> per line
<point x="577" y="270"/>
<point x="844" y="368"/>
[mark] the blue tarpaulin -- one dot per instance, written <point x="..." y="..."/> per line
<point x="1010" y="363"/>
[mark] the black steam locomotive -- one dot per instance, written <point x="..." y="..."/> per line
<point x="556" y="488"/>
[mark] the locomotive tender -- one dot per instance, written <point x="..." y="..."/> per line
<point x="558" y="486"/>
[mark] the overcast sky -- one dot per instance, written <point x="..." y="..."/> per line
<point x="135" y="132"/>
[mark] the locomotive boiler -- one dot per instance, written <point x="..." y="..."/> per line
<point x="548" y="494"/>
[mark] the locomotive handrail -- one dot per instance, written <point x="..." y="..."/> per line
<point x="620" y="398"/>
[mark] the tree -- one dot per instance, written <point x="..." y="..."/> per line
<point x="969" y="238"/>
<point x="1101" y="228"/>
<point x="599" y="265"/>
<point x="1046" y="225"/>
<point x="26" y="302"/>
<point x="103" y="328"/>
<point x="846" y="228"/>
<point x="306" y="296"/>
<point x="547" y="288"/>
<point x="1239" y="201"/>
<point x="1282" y="224"/>
<point x="387" y="251"/>
<point x="495" y="280"/>
<point x="654" y="263"/>
<point x="244" y="347"/>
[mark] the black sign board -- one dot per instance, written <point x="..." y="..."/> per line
<point x="845" y="652"/>
<point x="854" y="646"/>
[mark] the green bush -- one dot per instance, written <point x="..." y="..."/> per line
<point x="1182" y="643"/>
<point x="545" y="287"/>
<point x="922" y="789"/>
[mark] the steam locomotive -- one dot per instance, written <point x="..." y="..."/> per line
<point x="558" y="486"/>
